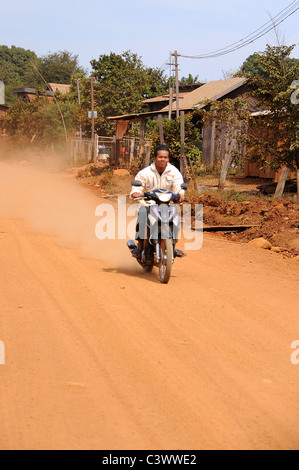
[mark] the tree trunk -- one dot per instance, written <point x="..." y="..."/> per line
<point x="227" y="138"/>
<point x="224" y="169"/>
<point x="281" y="183"/>
<point x="297" y="186"/>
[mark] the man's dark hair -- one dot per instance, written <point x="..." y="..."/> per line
<point x="161" y="147"/>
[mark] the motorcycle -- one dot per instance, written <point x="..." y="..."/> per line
<point x="162" y="226"/>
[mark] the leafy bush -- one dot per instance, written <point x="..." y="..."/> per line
<point x="38" y="121"/>
<point x="171" y="130"/>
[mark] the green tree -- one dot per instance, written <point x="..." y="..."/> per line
<point x="171" y="130"/>
<point x="190" y="80"/>
<point x="274" y="136"/>
<point x="15" y="64"/>
<point x="122" y="83"/>
<point x="16" y="69"/>
<point x="230" y="117"/>
<point x="38" y="121"/>
<point x="81" y="114"/>
<point x="58" y="67"/>
<point x="254" y="67"/>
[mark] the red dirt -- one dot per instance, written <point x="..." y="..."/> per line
<point x="100" y="356"/>
<point x="278" y="221"/>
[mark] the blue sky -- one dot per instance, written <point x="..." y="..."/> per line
<point x="151" y="28"/>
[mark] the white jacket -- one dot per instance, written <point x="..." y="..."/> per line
<point x="150" y="178"/>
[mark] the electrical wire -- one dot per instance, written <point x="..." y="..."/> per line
<point x="257" y="34"/>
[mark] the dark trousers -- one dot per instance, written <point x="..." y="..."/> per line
<point x="141" y="228"/>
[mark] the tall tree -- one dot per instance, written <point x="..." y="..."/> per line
<point x="58" y="67"/>
<point x="16" y="69"/>
<point x="274" y="135"/>
<point x="254" y="67"/>
<point x="122" y="83"/>
<point x="15" y="64"/>
<point x="190" y="80"/>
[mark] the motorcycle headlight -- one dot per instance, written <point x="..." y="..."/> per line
<point x="165" y="197"/>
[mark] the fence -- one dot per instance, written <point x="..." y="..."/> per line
<point x="119" y="153"/>
<point x="80" y="151"/>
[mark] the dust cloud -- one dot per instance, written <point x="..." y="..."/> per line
<point x="54" y="203"/>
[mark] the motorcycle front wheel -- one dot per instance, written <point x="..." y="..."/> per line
<point x="166" y="260"/>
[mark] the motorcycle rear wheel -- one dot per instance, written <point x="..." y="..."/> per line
<point x="166" y="260"/>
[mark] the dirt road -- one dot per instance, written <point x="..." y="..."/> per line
<point x="100" y="356"/>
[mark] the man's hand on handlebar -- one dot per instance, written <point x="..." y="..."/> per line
<point x="136" y="195"/>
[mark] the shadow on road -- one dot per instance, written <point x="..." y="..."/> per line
<point x="151" y="277"/>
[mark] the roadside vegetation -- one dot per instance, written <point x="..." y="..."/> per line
<point x="123" y="81"/>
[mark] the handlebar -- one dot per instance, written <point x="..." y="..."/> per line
<point x="149" y="196"/>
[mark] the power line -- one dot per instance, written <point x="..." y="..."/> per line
<point x="257" y="34"/>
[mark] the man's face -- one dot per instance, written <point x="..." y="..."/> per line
<point x="161" y="160"/>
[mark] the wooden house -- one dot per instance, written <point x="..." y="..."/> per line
<point x="189" y="102"/>
<point x="62" y="88"/>
<point x="29" y="94"/>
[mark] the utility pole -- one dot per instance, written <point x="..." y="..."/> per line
<point x="176" y="70"/>
<point x="79" y="101"/>
<point x="92" y="118"/>
<point x="92" y="107"/>
<point x="177" y="83"/>
<point x="170" y="88"/>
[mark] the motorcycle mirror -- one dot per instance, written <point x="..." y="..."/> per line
<point x="136" y="183"/>
<point x="184" y="186"/>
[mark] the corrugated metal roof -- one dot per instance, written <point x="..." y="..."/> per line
<point x="210" y="91"/>
<point x="159" y="99"/>
<point x="29" y="91"/>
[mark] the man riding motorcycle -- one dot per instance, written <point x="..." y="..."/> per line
<point x="160" y="175"/>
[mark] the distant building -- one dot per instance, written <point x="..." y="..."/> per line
<point x="62" y="88"/>
<point x="191" y="99"/>
<point x="29" y="94"/>
<point x="159" y="102"/>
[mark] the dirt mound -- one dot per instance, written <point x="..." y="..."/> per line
<point x="276" y="221"/>
<point x="103" y="180"/>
